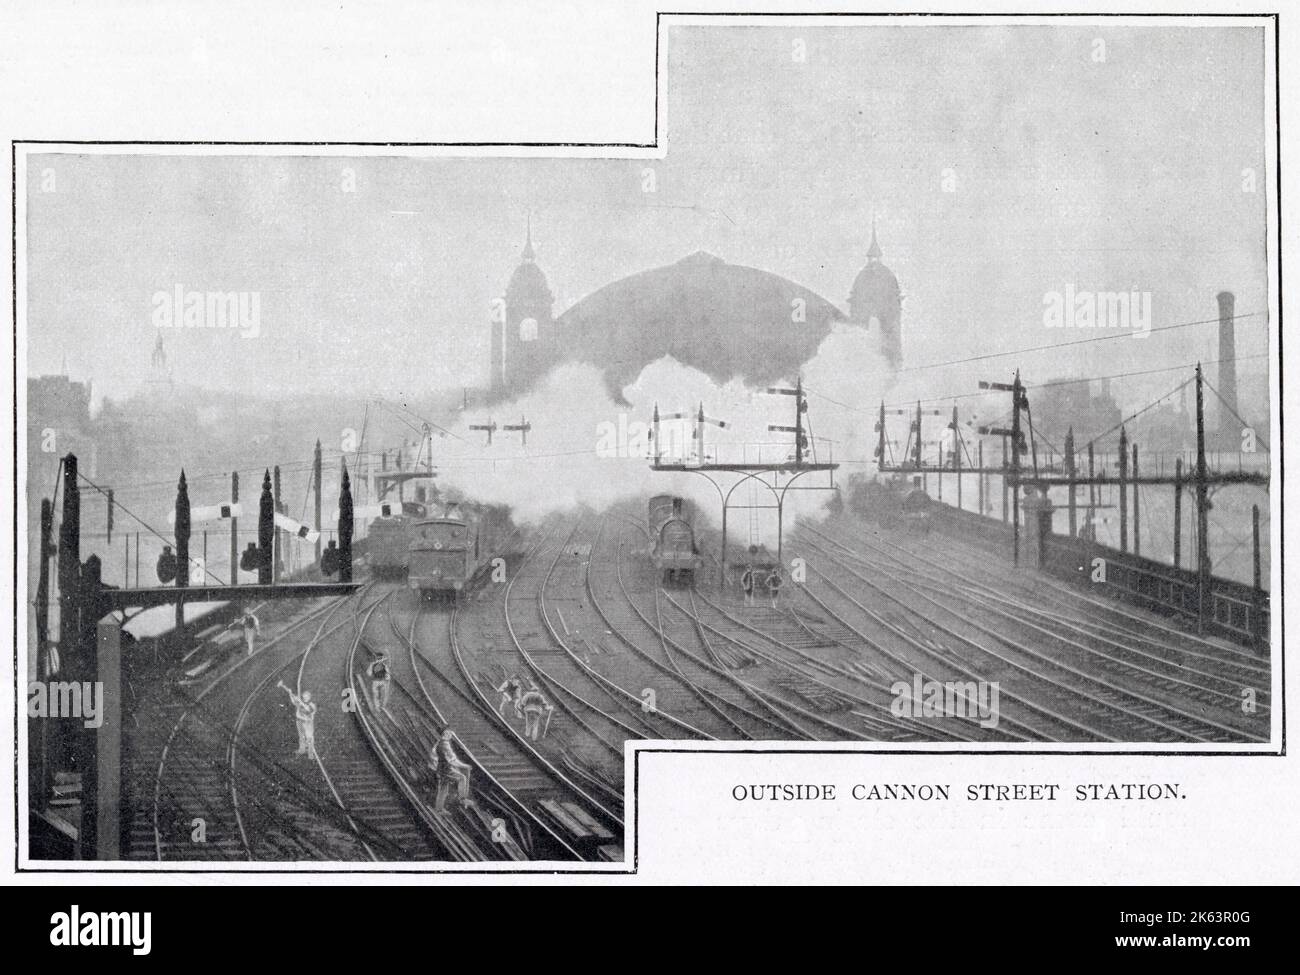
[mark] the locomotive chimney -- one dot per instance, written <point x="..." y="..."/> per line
<point x="1229" y="424"/>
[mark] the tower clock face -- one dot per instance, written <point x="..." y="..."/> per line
<point x="528" y="330"/>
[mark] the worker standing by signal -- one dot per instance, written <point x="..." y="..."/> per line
<point x="251" y="627"/>
<point x="305" y="717"/>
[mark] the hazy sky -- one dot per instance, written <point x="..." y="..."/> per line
<point x="1118" y="175"/>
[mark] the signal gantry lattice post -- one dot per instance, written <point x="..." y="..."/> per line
<point x="777" y="477"/>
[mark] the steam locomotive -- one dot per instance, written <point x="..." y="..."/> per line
<point x="448" y="550"/>
<point x="388" y="538"/>
<point x="672" y="533"/>
<point x="893" y="504"/>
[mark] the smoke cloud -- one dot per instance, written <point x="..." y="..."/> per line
<point x="583" y="449"/>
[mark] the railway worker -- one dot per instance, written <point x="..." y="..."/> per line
<point x="510" y="691"/>
<point x="774" y="581"/>
<point x="535" y="710"/>
<point x="304" y="712"/>
<point x="381" y="680"/>
<point x="251" y="627"/>
<point x="449" y="770"/>
<point x="747" y="585"/>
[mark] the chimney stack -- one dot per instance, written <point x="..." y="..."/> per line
<point x="1229" y="425"/>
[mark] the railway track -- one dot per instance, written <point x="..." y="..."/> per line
<point x="668" y="715"/>
<point x="387" y="824"/>
<point x="926" y="651"/>
<point x="1118" y="708"/>
<point x="217" y="771"/>
<point x="559" y="808"/>
<point x="1210" y="681"/>
<point x="869" y="693"/>
<point x="676" y="684"/>
<point x="1103" y="617"/>
<point x="769" y="711"/>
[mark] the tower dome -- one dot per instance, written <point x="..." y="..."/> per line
<point x="528" y="285"/>
<point x="876" y="298"/>
<point x="523" y="344"/>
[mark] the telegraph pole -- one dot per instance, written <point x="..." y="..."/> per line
<point x="316" y="477"/>
<point x="1123" y="490"/>
<point x="69" y="570"/>
<point x="916" y="444"/>
<point x="1016" y="391"/>
<point x="1178" y="512"/>
<point x="234" y="530"/>
<point x="1071" y="473"/>
<point x="182" y="548"/>
<point x="1202" y="513"/>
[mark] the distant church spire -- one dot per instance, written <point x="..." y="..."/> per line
<point x="529" y="254"/>
<point x="873" y="252"/>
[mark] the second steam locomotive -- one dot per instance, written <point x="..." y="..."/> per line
<point x="673" y="551"/>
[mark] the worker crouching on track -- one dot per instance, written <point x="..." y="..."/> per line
<point x="536" y="711"/>
<point x="305" y="717"/>
<point x="449" y="770"/>
<point x="530" y="706"/>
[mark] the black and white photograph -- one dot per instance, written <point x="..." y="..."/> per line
<point x="910" y="387"/>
